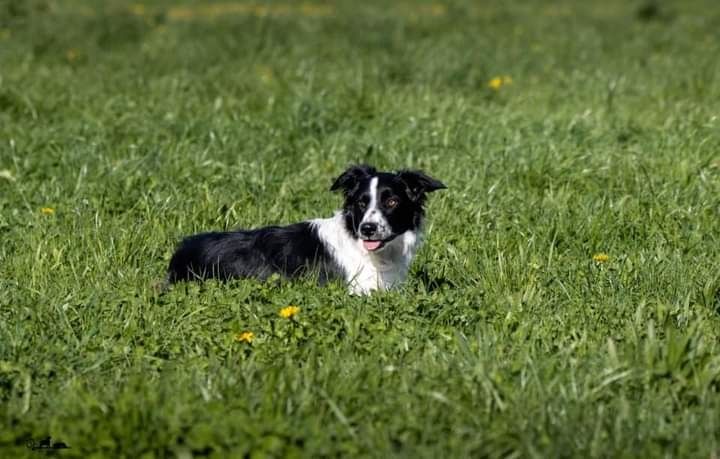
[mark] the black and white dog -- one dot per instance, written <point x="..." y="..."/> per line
<point x="369" y="243"/>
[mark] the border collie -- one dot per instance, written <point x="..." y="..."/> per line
<point x="369" y="243"/>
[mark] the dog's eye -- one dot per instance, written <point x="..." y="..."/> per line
<point x="362" y="204"/>
<point x="391" y="203"/>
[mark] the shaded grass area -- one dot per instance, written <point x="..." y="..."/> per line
<point x="138" y="124"/>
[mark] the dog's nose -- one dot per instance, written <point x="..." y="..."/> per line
<point x="368" y="229"/>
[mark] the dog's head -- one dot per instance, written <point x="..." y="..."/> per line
<point x="379" y="206"/>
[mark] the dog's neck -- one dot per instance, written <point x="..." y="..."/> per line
<point x="366" y="271"/>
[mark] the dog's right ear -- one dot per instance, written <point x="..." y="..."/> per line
<point x="350" y="179"/>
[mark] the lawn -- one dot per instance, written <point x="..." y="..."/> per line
<point x="565" y="303"/>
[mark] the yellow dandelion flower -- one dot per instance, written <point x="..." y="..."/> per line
<point x="245" y="337"/>
<point x="601" y="257"/>
<point x="47" y="211"/>
<point x="288" y="312"/>
<point x="496" y="83"/>
<point x="500" y="81"/>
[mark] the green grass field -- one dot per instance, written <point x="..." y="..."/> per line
<point x="564" y="130"/>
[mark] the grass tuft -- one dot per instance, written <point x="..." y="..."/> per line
<point x="566" y="300"/>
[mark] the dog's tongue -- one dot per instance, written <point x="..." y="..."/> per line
<point x="371" y="245"/>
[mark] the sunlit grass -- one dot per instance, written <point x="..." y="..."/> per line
<point x="565" y="302"/>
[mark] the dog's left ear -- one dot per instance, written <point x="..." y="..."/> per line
<point x="418" y="183"/>
<point x="349" y="180"/>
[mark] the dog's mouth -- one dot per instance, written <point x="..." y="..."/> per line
<point x="374" y="245"/>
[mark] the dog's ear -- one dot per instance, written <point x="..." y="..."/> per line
<point x="418" y="183"/>
<point x="350" y="179"/>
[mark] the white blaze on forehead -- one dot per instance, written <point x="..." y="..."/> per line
<point x="373" y="214"/>
<point x="373" y="194"/>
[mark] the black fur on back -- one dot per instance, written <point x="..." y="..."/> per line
<point x="290" y="251"/>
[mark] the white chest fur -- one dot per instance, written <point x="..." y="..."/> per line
<point x="367" y="271"/>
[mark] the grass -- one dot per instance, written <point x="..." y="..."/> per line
<point x="137" y="124"/>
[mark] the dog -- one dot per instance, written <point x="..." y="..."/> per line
<point x="369" y="244"/>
